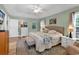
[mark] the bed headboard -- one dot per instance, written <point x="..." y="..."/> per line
<point x="56" y="28"/>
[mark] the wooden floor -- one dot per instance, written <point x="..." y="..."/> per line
<point x="12" y="45"/>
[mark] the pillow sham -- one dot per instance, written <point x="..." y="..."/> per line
<point x="52" y="31"/>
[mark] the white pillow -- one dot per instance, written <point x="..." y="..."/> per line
<point x="52" y="31"/>
<point x="45" y="30"/>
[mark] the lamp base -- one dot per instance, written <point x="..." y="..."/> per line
<point x="70" y="35"/>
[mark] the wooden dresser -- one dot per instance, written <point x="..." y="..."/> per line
<point x="4" y="42"/>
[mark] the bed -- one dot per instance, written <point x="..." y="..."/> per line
<point x="44" y="40"/>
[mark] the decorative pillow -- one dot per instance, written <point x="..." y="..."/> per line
<point x="45" y="30"/>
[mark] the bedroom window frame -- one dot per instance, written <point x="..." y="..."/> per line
<point x="74" y="21"/>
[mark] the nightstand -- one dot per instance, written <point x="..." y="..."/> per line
<point x="66" y="41"/>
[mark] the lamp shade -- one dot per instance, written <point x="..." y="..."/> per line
<point x="70" y="28"/>
<point x="21" y="22"/>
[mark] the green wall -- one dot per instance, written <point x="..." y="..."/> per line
<point x="62" y="18"/>
<point x="30" y="22"/>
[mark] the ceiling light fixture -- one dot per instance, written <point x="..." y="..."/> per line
<point x="37" y="9"/>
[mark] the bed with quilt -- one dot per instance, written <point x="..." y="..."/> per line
<point x="43" y="40"/>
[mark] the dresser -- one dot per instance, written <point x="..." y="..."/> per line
<point x="4" y="42"/>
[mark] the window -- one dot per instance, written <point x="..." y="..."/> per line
<point x="75" y="18"/>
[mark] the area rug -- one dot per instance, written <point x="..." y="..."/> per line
<point x="22" y="49"/>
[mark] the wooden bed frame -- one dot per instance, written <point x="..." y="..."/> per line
<point x="56" y="28"/>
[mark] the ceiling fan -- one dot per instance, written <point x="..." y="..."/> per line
<point x="36" y="8"/>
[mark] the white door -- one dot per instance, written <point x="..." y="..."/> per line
<point x="13" y="28"/>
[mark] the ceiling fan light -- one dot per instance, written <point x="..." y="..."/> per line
<point x="37" y="10"/>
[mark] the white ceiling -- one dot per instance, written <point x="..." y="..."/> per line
<point x="25" y="10"/>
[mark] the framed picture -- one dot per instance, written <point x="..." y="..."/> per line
<point x="24" y="24"/>
<point x="52" y="21"/>
<point x="2" y="16"/>
<point x="33" y="25"/>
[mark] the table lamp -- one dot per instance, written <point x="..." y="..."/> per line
<point x="70" y="30"/>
